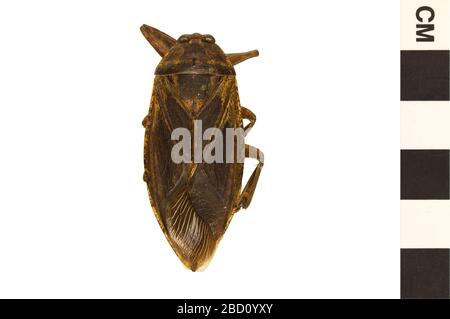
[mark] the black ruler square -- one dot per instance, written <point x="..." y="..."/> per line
<point x="425" y="174"/>
<point x="425" y="273"/>
<point x="425" y="75"/>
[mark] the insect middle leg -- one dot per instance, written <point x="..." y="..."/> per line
<point x="146" y="121"/>
<point x="249" y="189"/>
<point x="146" y="124"/>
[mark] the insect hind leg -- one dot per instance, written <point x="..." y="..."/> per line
<point x="249" y="189"/>
<point x="248" y="115"/>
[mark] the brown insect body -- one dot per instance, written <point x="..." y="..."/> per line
<point x="194" y="202"/>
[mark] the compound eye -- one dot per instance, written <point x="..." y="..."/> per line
<point x="183" y="38"/>
<point x="208" y="38"/>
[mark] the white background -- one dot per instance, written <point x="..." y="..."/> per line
<point x="76" y="80"/>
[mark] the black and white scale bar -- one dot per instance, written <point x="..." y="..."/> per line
<point x="425" y="173"/>
<point x="425" y="148"/>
